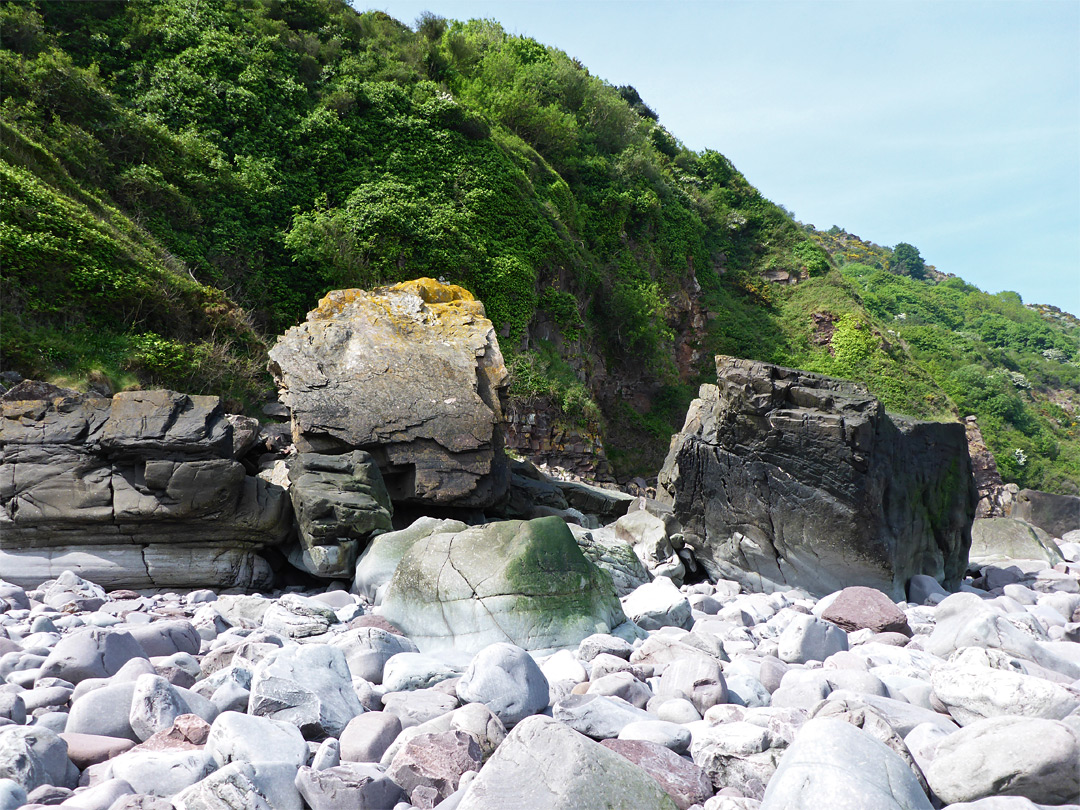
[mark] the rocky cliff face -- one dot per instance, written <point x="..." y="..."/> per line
<point x="140" y="490"/>
<point x="784" y="478"/>
<point x="411" y="374"/>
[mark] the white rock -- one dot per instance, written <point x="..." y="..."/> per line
<point x="973" y="693"/>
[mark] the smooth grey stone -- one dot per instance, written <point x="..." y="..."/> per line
<point x="974" y="692"/>
<point x="13" y="707"/>
<point x="598" y="643"/>
<point x="808" y="638"/>
<point x="367" y="649"/>
<point x="597" y="716"/>
<point x="160" y="773"/>
<point x="418" y="706"/>
<point x="836" y="765"/>
<point x="658" y="604"/>
<point x="328" y="754"/>
<point x="507" y="680"/>
<point x="235" y="736"/>
<point x="243" y="786"/>
<point x="1008" y="756"/>
<point x="737" y="753"/>
<point x="47" y="795"/>
<point x="101" y="796"/>
<point x="698" y="678"/>
<point x="42" y="696"/>
<point x="745" y="690"/>
<point x="129" y="673"/>
<point x="563" y="770"/>
<point x="407" y="671"/>
<point x="903" y="717"/>
<point x="55" y="722"/>
<point x="622" y="685"/>
<point x="32" y="756"/>
<point x="166" y="637"/>
<point x="347" y="787"/>
<point x="92" y="653"/>
<point x="12" y="794"/>
<point x="672" y="736"/>
<point x="307" y="685"/>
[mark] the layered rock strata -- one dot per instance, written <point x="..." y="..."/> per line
<point x="413" y="375"/>
<point x="139" y="490"/>
<point x="782" y="478"/>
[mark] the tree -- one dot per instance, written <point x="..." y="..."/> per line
<point x="906" y="261"/>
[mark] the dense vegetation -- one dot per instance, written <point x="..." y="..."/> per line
<point x="182" y="180"/>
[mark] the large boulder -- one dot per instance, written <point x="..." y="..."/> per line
<point x="1057" y="515"/>
<point x="340" y="501"/>
<point x="782" y="478"/>
<point x="137" y="491"/>
<point x="522" y="581"/>
<point x="411" y="373"/>
<point x="1008" y="539"/>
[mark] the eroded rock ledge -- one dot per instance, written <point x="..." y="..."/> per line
<point x="782" y="478"/>
<point x="140" y="490"/>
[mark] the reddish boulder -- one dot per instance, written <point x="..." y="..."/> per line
<point x="435" y="761"/>
<point x="860" y="607"/>
<point x="683" y="781"/>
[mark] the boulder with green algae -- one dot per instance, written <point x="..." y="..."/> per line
<point x="522" y="581"/>
<point x="1005" y="538"/>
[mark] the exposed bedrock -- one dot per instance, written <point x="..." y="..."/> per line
<point x="782" y="478"/>
<point x="413" y="375"/>
<point x="140" y="490"/>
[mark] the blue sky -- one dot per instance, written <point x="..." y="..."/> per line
<point x="949" y="124"/>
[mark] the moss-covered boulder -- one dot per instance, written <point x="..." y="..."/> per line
<point x="1008" y="539"/>
<point x="522" y="581"/>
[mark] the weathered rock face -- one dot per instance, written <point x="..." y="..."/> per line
<point x="784" y="478"/>
<point x="1057" y="515"/>
<point x="140" y="490"/>
<point x="522" y="581"/>
<point x="340" y="501"/>
<point x="410" y="373"/>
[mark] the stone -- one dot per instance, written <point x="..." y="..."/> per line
<point x="380" y="558"/>
<point x="857" y="607"/>
<point x="615" y="556"/>
<point x="32" y="756"/>
<point x="418" y="706"/>
<point x="1057" y="515"/>
<point x="367" y="649"/>
<point x="1008" y="756"/>
<point x="155" y="704"/>
<point x="672" y="736"/>
<point x="347" y="787"/>
<point x="408" y="671"/>
<point x="562" y="770"/>
<point x="506" y="679"/>
<point x="525" y="582"/>
<point x="328" y="754"/>
<point x="697" y="678"/>
<point x="808" y="638"/>
<point x="139" y="490"/>
<point x="604" y="643"/>
<point x="160" y="773"/>
<point x="436" y="761"/>
<point x="368" y="735"/>
<point x="658" y="604"/>
<point x="737" y="753"/>
<point x="307" y="685"/>
<point x="1003" y="538"/>
<point x="188" y="731"/>
<point x="339" y="502"/>
<point x="89" y="749"/>
<point x="298" y="617"/>
<point x="242" y="737"/>
<point x="410" y="373"/>
<point x="683" y="781"/>
<point x="243" y="786"/>
<point x="597" y="716"/>
<point x="105" y="711"/>
<point x="12" y="794"/>
<point x="162" y="638"/>
<point x="623" y="685"/>
<point x="878" y="499"/>
<point x="648" y="536"/>
<point x="13" y="708"/>
<point x="836" y="765"/>
<point x="91" y="653"/>
<point x="973" y="692"/>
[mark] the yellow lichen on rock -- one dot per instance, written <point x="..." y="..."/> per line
<point x="434" y="292"/>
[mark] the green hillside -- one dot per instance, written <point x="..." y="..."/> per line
<point x="182" y="181"/>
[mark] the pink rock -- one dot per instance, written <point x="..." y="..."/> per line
<point x="860" y="607"/>
<point x="436" y="761"/>
<point x="683" y="781"/>
<point x="89" y="749"/>
<point x="187" y="732"/>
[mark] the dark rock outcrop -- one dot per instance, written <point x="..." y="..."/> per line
<point x="140" y="490"/>
<point x="783" y="478"/>
<point x="340" y="501"/>
<point x="411" y="374"/>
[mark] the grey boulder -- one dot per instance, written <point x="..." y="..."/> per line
<point x="507" y="680"/>
<point x="347" y="787"/>
<point x="32" y="756"/>
<point x="307" y="685"/>
<point x="95" y="652"/>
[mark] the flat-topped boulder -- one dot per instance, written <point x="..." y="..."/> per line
<point x="413" y="375"/>
<point x="522" y="581"/>
<point x="783" y="478"/>
<point x="138" y="490"/>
